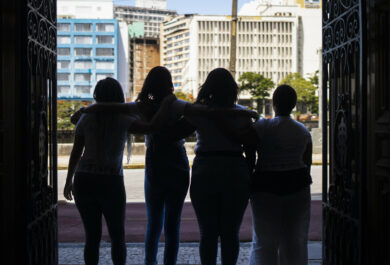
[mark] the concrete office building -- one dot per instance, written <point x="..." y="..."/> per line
<point x="87" y="51"/>
<point x="143" y="22"/>
<point x="89" y="25"/>
<point x="309" y="13"/>
<point x="85" y="9"/>
<point x="193" y="45"/>
<point x="147" y="20"/>
<point x="145" y="54"/>
<point x="156" y="4"/>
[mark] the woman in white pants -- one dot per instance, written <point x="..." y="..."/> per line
<point x="280" y="185"/>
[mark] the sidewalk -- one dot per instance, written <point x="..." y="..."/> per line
<point x="138" y="161"/>
<point x="72" y="253"/>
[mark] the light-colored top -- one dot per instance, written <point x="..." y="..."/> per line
<point x="105" y="136"/>
<point x="283" y="142"/>
<point x="210" y="138"/>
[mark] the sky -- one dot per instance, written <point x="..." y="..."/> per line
<point x="202" y="7"/>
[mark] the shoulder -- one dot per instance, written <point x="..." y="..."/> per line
<point x="261" y="126"/>
<point x="122" y="117"/>
<point x="262" y="122"/>
<point x="302" y="128"/>
<point x="84" y="118"/>
<point x="238" y="106"/>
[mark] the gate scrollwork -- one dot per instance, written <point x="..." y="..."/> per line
<point x="41" y="59"/>
<point x="341" y="66"/>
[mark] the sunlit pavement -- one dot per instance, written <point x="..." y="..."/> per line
<point x="134" y="182"/>
<point x="71" y="232"/>
<point x="71" y="253"/>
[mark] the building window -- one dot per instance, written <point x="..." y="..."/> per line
<point x="63" y="40"/>
<point x="63" y="51"/>
<point x="63" y="64"/>
<point x="63" y="76"/>
<point x="104" y="27"/>
<point x="104" y="65"/>
<point x="83" y="9"/>
<point x="105" y="39"/>
<point x="83" y="51"/>
<point x="104" y="51"/>
<point x="82" y="64"/>
<point x="83" y="27"/>
<point x="63" y="89"/>
<point x="83" y="39"/>
<point x="82" y="89"/>
<point x="82" y="77"/>
<point x="63" y="27"/>
<point x="102" y="76"/>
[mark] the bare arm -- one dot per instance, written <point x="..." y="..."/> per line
<point x="74" y="159"/>
<point x="158" y="121"/>
<point x="112" y="107"/>
<point x="198" y="109"/>
<point x="105" y="107"/>
<point x="179" y="130"/>
<point x="307" y="155"/>
<point x="250" y="156"/>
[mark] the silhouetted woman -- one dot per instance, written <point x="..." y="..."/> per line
<point x="280" y="196"/>
<point x="97" y="185"/>
<point x="166" y="163"/>
<point x="166" y="171"/>
<point x="220" y="173"/>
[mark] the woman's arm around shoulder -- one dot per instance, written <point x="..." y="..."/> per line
<point x="158" y="121"/>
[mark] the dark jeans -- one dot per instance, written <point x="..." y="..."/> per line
<point x="219" y="195"/>
<point x="97" y="195"/>
<point x="166" y="185"/>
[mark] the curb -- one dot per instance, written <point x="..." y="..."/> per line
<point x="142" y="166"/>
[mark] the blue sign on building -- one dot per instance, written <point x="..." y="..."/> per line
<point x="87" y="51"/>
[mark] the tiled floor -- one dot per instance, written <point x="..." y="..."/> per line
<point x="72" y="253"/>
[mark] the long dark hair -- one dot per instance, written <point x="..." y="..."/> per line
<point x="108" y="90"/>
<point x="219" y="89"/>
<point x="157" y="85"/>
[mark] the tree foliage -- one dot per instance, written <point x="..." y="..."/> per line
<point x="306" y="91"/>
<point x="184" y="96"/>
<point x="257" y="86"/>
<point x="65" y="109"/>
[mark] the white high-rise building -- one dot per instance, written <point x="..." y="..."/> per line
<point x="310" y="24"/>
<point x="193" y="45"/>
<point x="143" y="22"/>
<point x="157" y="4"/>
<point x="85" y="9"/>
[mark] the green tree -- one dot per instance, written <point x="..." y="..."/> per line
<point x="65" y="109"/>
<point x="184" y="96"/>
<point x="258" y="87"/>
<point x="306" y="91"/>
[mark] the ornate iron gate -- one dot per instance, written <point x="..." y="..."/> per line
<point x="41" y="133"/>
<point x="343" y="108"/>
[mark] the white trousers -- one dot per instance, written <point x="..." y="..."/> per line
<point x="280" y="228"/>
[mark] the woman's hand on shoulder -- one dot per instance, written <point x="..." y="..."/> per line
<point x="77" y="115"/>
<point x="169" y="99"/>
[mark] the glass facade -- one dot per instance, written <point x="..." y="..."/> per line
<point x="87" y="51"/>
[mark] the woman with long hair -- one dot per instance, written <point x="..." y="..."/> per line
<point x="166" y="162"/>
<point x="95" y="172"/>
<point x="220" y="173"/>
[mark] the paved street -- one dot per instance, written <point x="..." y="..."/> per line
<point x="72" y="254"/>
<point x="134" y="181"/>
